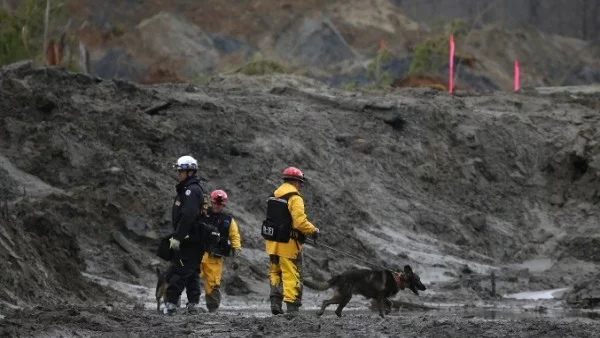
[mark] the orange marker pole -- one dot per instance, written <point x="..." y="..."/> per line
<point x="517" y="75"/>
<point x="451" y="62"/>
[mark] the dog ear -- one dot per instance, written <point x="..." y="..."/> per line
<point x="407" y="269"/>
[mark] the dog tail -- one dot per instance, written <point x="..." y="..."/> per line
<point x="321" y="286"/>
<point x="316" y="285"/>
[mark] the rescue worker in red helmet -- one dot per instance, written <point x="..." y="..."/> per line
<point x="229" y="245"/>
<point x="285" y="229"/>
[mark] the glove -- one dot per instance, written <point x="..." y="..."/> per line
<point x="173" y="244"/>
<point x="315" y="234"/>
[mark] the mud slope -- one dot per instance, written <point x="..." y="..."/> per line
<point x="410" y="177"/>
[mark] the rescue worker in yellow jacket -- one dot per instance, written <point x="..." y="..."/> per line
<point x="229" y="245"/>
<point x="285" y="229"/>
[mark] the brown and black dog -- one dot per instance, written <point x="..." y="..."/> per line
<point x="161" y="287"/>
<point x="372" y="284"/>
<point x="162" y="284"/>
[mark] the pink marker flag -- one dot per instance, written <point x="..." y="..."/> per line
<point x="516" y="82"/>
<point x="451" y="63"/>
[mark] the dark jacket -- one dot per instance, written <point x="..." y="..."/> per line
<point x="186" y="215"/>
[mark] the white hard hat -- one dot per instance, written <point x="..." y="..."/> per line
<point x="186" y="163"/>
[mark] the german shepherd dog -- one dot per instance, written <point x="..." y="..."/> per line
<point x="162" y="284"/>
<point x="161" y="287"/>
<point x="372" y="284"/>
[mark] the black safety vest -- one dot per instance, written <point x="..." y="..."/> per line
<point x="222" y="222"/>
<point x="278" y="224"/>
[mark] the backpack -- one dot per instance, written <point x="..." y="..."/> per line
<point x="278" y="224"/>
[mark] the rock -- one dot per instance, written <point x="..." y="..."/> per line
<point x="168" y="36"/>
<point x="116" y="63"/>
<point x="227" y="44"/>
<point x="313" y="42"/>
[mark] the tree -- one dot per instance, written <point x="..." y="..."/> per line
<point x="22" y="30"/>
<point x="431" y="55"/>
<point x="374" y="68"/>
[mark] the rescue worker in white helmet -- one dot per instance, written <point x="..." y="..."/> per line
<point x="186" y="241"/>
<point x="229" y="245"/>
<point x="285" y="229"/>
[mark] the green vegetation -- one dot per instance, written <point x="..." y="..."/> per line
<point x="380" y="78"/>
<point x="431" y="55"/>
<point x="202" y="79"/>
<point x="351" y="85"/>
<point x="259" y="66"/>
<point x="22" y="32"/>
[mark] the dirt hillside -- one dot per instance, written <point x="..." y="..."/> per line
<point x="457" y="187"/>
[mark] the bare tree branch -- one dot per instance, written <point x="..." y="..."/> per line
<point x="46" y="21"/>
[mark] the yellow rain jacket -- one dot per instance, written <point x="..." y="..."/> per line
<point x="299" y="222"/>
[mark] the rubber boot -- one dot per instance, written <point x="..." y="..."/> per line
<point x="276" y="307"/>
<point x="292" y="309"/>
<point x="213" y="300"/>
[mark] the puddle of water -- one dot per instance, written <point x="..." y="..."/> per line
<point x="534" y="295"/>
<point x="259" y="308"/>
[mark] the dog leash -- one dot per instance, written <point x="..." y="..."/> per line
<point x="371" y="264"/>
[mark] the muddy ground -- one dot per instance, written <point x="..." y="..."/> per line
<point x="461" y="188"/>
<point x="73" y="321"/>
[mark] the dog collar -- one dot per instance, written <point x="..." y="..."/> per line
<point x="399" y="280"/>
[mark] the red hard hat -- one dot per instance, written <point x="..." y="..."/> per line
<point x="293" y="173"/>
<point x="218" y="197"/>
